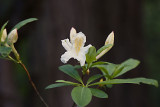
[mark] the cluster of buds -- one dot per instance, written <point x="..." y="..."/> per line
<point x="9" y="41"/>
<point x="11" y="38"/>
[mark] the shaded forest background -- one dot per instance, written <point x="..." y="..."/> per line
<point x="136" y="24"/>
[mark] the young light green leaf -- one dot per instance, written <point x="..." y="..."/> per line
<point x="24" y="22"/>
<point x="103" y="48"/>
<point x="71" y="71"/>
<point x="91" y="55"/>
<point x="5" y="51"/>
<point x="93" y="78"/>
<point x="133" y="81"/>
<point x="98" y="93"/>
<point x="81" y="96"/>
<point x="126" y="66"/>
<point x="1" y="32"/>
<point x="68" y="82"/>
<point x="57" y="85"/>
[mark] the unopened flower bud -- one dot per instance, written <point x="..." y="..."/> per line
<point x="88" y="72"/>
<point x="109" y="40"/>
<point x="101" y="80"/>
<point x="12" y="37"/>
<point x="4" y="35"/>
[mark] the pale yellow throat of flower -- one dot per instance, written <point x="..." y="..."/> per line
<point x="78" y="44"/>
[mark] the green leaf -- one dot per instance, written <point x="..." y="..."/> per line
<point x="68" y="82"/>
<point x="100" y="63"/>
<point x="81" y="96"/>
<point x="109" y="85"/>
<point x="106" y="69"/>
<point x="103" y="48"/>
<point x="71" y="71"/>
<point x="125" y="67"/>
<point x="98" y="93"/>
<point x="93" y="78"/>
<point x="91" y="55"/>
<point x="57" y="85"/>
<point x="77" y="67"/>
<point x="1" y="32"/>
<point x="133" y="81"/>
<point x="24" y="22"/>
<point x="5" y="51"/>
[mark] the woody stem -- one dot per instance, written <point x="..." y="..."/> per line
<point x="32" y="83"/>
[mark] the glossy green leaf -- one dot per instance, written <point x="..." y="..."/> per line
<point x="93" y="78"/>
<point x="24" y="22"/>
<point x="125" y="67"/>
<point x="133" y="81"/>
<point x="81" y="96"/>
<point x="98" y="93"/>
<point x="5" y="51"/>
<point x="57" y="85"/>
<point x="103" y="48"/>
<point x="68" y="82"/>
<point x="1" y="32"/>
<point x="71" y="71"/>
<point x="91" y="55"/>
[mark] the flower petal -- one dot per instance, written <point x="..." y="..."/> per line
<point x="66" y="44"/>
<point x="78" y="42"/>
<point x="66" y="56"/>
<point x="81" y="58"/>
<point x="86" y="48"/>
<point x="72" y="34"/>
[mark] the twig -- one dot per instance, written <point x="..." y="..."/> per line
<point x="32" y="83"/>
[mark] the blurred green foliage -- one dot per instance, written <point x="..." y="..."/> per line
<point x="151" y="29"/>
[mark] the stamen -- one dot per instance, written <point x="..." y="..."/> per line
<point x="78" y="44"/>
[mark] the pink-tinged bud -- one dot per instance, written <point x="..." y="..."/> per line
<point x="4" y="35"/>
<point x="12" y="37"/>
<point x="109" y="40"/>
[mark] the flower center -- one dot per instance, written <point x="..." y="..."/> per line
<point x="78" y="44"/>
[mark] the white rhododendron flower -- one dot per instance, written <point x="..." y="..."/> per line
<point x="109" y="40"/>
<point x="75" y="47"/>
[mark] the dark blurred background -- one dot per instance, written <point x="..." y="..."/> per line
<point x="136" y="24"/>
